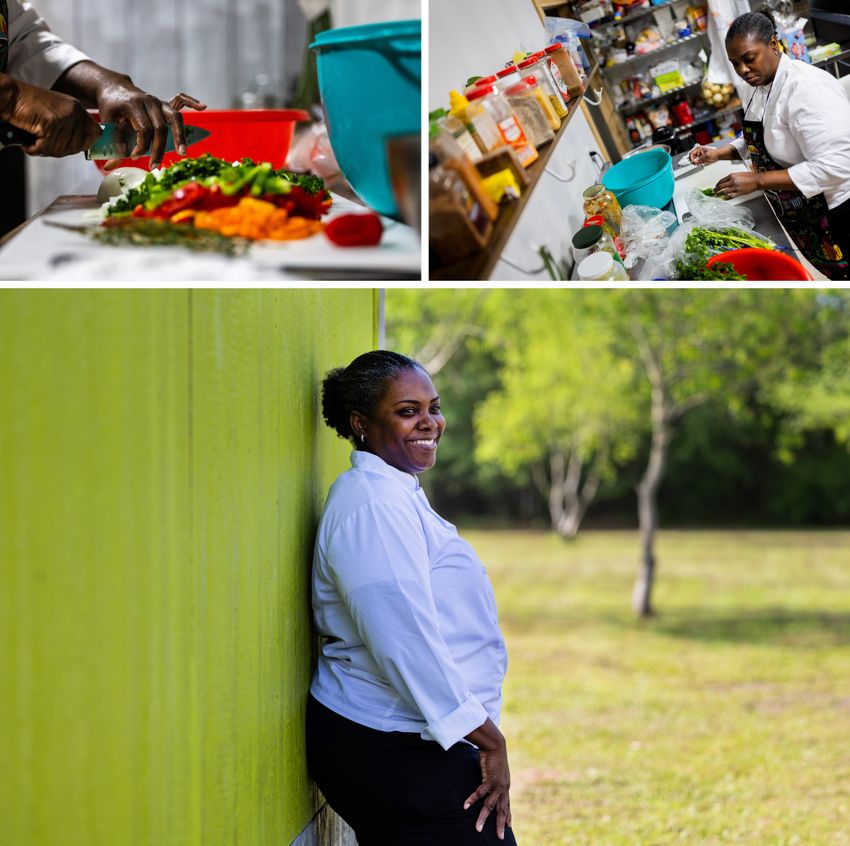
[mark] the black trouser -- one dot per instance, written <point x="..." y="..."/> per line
<point x="839" y="229"/>
<point x="394" y="788"/>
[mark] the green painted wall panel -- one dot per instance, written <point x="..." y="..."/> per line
<point x="162" y="465"/>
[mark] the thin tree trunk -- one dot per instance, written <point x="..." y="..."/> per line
<point x="567" y="497"/>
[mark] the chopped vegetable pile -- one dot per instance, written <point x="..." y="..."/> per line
<point x="710" y="192"/>
<point x="703" y="243"/>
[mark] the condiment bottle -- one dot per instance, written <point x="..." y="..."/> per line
<point x="482" y="80"/>
<point x="601" y="267"/>
<point x="599" y="200"/>
<point x="531" y="111"/>
<point x="567" y="74"/>
<point x="537" y="66"/>
<point x="506" y="121"/>
<point x="592" y="239"/>
<point x="478" y="120"/>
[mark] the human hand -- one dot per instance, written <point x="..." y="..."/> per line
<point x="123" y="103"/>
<point x="703" y="155"/>
<point x="60" y="124"/>
<point x="738" y="184"/>
<point x="494" y="789"/>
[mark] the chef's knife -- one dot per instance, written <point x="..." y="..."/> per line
<point x="106" y="147"/>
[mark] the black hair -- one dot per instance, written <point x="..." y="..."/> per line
<point x="360" y="386"/>
<point x="760" y="25"/>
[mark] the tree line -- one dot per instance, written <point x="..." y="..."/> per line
<point x="577" y="403"/>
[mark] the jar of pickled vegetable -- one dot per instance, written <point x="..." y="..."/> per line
<point x="598" y="200"/>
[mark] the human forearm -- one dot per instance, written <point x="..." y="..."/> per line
<point x="729" y="152"/>
<point x="775" y="180"/>
<point x="89" y="81"/>
<point x="487" y="736"/>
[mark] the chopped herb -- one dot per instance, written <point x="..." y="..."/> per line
<point x="701" y="244"/>
<point x="156" y="233"/>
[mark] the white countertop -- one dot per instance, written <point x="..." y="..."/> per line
<point x="40" y="252"/>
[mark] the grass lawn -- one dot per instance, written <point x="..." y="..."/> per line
<point x="724" y="719"/>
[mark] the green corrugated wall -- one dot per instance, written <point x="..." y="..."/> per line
<point x="162" y="465"/>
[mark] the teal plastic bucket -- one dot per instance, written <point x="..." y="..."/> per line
<point x="370" y="81"/>
<point x="643" y="179"/>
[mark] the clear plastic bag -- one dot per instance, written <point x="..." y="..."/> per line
<point x="713" y="212"/>
<point x="644" y="231"/>
<point x="311" y="151"/>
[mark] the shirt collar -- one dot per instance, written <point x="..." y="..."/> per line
<point x="781" y="70"/>
<point x="363" y="460"/>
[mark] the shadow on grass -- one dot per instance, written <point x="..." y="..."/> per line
<point x="780" y="626"/>
<point x="789" y="627"/>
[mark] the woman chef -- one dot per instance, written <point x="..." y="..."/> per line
<point x="797" y="132"/>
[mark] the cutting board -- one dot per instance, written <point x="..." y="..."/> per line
<point x="707" y="177"/>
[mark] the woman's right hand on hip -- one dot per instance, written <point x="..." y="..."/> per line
<point x="495" y="778"/>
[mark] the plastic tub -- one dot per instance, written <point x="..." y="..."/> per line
<point x="760" y="265"/>
<point x="370" y="82"/>
<point x="260" y="134"/>
<point x="645" y="179"/>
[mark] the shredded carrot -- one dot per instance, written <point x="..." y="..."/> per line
<point x="257" y="220"/>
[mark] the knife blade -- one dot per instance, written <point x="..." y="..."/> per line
<point x="107" y="146"/>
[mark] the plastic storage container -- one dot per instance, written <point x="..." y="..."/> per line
<point x="563" y="61"/>
<point x="370" y="83"/>
<point x="534" y="112"/>
<point x="599" y="200"/>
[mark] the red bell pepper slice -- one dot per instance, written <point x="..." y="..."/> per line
<point x="355" y="230"/>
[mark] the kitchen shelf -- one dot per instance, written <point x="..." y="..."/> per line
<point x="635" y="60"/>
<point x="707" y="116"/>
<point x="633" y="16"/>
<point x="480" y="264"/>
<point x="636" y="105"/>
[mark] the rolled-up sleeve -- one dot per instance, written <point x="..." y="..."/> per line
<point x="821" y="128"/>
<point x="378" y="558"/>
<point x="37" y="55"/>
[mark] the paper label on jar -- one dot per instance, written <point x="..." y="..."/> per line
<point x="511" y="131"/>
<point x="559" y="80"/>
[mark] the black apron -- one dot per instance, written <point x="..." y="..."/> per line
<point x="806" y="220"/>
<point x="4" y="35"/>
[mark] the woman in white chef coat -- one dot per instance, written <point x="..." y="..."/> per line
<point x="797" y="133"/>
<point x="402" y="716"/>
<point x="46" y="86"/>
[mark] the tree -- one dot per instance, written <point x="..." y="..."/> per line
<point x="695" y="347"/>
<point x="563" y="410"/>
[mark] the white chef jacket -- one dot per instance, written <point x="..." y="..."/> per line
<point x="407" y="613"/>
<point x="36" y="55"/>
<point x="806" y="129"/>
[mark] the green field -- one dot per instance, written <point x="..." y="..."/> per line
<point x="724" y="719"/>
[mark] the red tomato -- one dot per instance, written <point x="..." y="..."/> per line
<point x="355" y="230"/>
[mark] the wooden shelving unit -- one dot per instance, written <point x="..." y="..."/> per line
<point x="480" y="265"/>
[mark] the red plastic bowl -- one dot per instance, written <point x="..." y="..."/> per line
<point x="260" y="134"/>
<point x="760" y="265"/>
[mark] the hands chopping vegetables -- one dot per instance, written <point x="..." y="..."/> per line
<point x="120" y="101"/>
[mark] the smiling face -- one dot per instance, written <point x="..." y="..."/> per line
<point x="406" y="424"/>
<point x="754" y="60"/>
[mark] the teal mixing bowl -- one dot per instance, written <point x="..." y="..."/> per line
<point x="644" y="179"/>
<point x="370" y="82"/>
